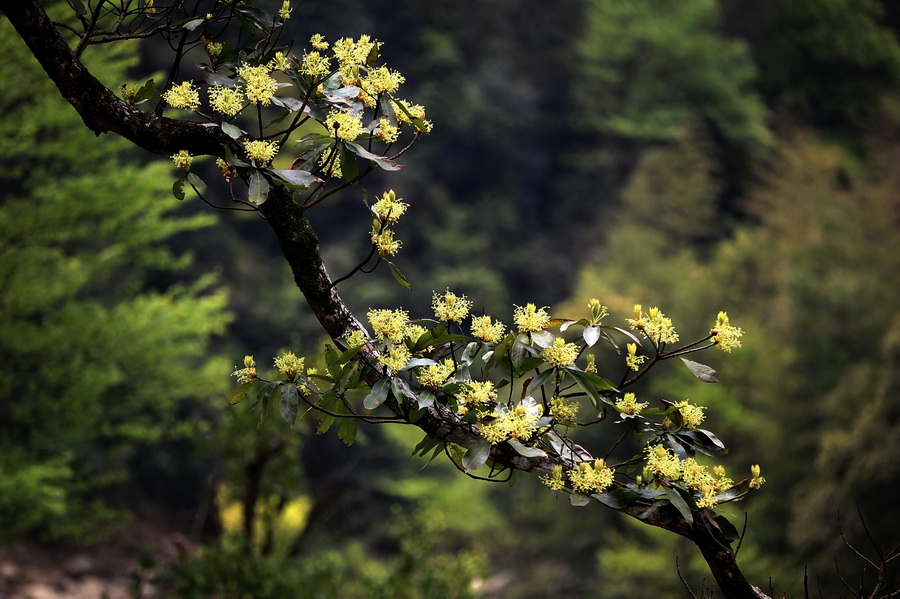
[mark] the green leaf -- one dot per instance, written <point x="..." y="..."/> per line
<point x="424" y="446"/>
<point x="290" y="403"/>
<point x="470" y="352"/>
<point x="349" y="167"/>
<point x="381" y="161"/>
<point x="426" y="398"/>
<point x="701" y="371"/>
<point x="234" y="133"/>
<point x="618" y="498"/>
<point x="592" y="385"/>
<point x="378" y="394"/>
<point x="579" y="499"/>
<point x="591" y="335"/>
<point x="476" y="456"/>
<point x="347" y="431"/>
<point x="296" y="178"/>
<point x="193" y="24"/>
<point x="398" y="276"/>
<point x="196" y="181"/>
<point x="146" y="92"/>
<point x="230" y="158"/>
<point x="524" y="450"/>
<point x="178" y="188"/>
<point x="518" y="350"/>
<point x="543" y="338"/>
<point x="259" y="189"/>
<point x="213" y="78"/>
<point x="675" y="498"/>
<point x="539" y="380"/>
<point x="419" y="362"/>
<point x="239" y="393"/>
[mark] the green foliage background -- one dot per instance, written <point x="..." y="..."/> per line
<point x="698" y="155"/>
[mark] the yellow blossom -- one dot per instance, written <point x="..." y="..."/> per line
<point x="487" y="332"/>
<point x="560" y="353"/>
<point x="756" y="481"/>
<point x="349" y="52"/>
<point x="628" y="405"/>
<point x="530" y="318"/>
<point x="248" y="372"/>
<point x="318" y="42"/>
<point x="387" y="132"/>
<point x="289" y="365"/>
<point x="183" y="160"/>
<point x="343" y="125"/>
<point x="726" y="337"/>
<point x="214" y="50"/>
<point x="260" y="151"/>
<point x="227" y="100"/>
<point x="598" y="311"/>
<point x="382" y="81"/>
<point x="315" y="65"/>
<point x="691" y="416"/>
<point x="389" y="208"/>
<point x="591" y="365"/>
<point x="391" y="324"/>
<point x="183" y="96"/>
<point x="260" y="87"/>
<point x="695" y="475"/>
<point x="355" y="338"/>
<point x="385" y="243"/>
<point x="396" y="358"/>
<point x="477" y="392"/>
<point x="450" y="307"/>
<point x="519" y="424"/>
<point x="632" y="360"/>
<point x="284" y="13"/>
<point x="129" y="91"/>
<point x="564" y="410"/>
<point x="414" y="331"/>
<point x="330" y="161"/>
<point x="708" y="497"/>
<point x="591" y="478"/>
<point x="279" y="62"/>
<point x="402" y="107"/>
<point x="434" y="376"/>
<point x="662" y="464"/>
<point x="654" y="325"/>
<point x="554" y="480"/>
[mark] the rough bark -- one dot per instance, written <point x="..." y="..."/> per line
<point x="103" y="112"/>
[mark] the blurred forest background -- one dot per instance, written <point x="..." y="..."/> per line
<point x="699" y="155"/>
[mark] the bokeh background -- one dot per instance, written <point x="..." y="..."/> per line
<point x="698" y="155"/>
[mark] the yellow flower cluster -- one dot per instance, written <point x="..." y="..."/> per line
<point x="726" y="337"/>
<point x="591" y="365"/>
<point x="450" y="307"/>
<point x="284" y="13"/>
<point x="591" y="478"/>
<point x="628" y="405"/>
<point x="417" y="112"/>
<point x="343" y="125"/>
<point x="414" y="331"/>
<point x="396" y="358"/>
<point x="261" y="151"/>
<point x="554" y="480"/>
<point x="315" y="65"/>
<point x="697" y="476"/>
<point x="564" y="410"/>
<point x="654" y="325"/>
<point x="318" y="42"/>
<point x="632" y="360"/>
<point x="331" y="162"/>
<point x="530" y="319"/>
<point x="355" y="338"/>
<point x="389" y="208"/>
<point x="214" y="50"/>
<point x="519" y="424"/>
<point x="691" y="416"/>
<point x="289" y="365"/>
<point x="350" y="53"/>
<point x="279" y="62"/>
<point x="183" y="96"/>
<point x="248" y="372"/>
<point x="560" y="353"/>
<point x="227" y="100"/>
<point x="183" y="160"/>
<point x="483" y="329"/>
<point x="662" y="464"/>
<point x="260" y="87"/>
<point x="385" y="243"/>
<point x="598" y="311"/>
<point x="475" y="392"/>
<point x="756" y="481"/>
<point x="434" y="376"/>
<point x="387" y="132"/>
<point x="391" y="324"/>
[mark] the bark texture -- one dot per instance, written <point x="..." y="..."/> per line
<point x="102" y="111"/>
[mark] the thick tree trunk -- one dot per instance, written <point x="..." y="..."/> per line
<point x="102" y="111"/>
